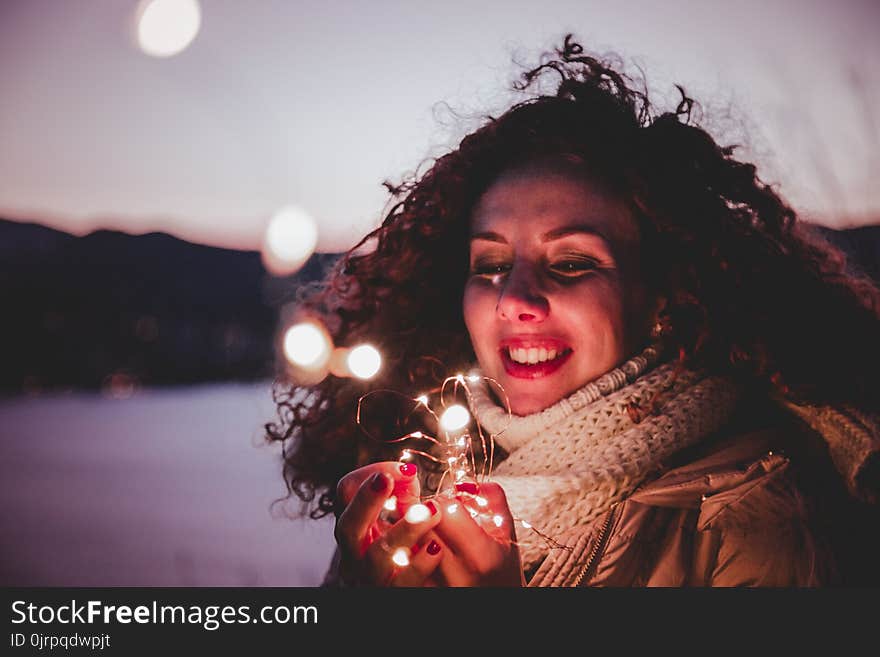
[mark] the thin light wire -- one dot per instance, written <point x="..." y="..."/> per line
<point x="487" y="446"/>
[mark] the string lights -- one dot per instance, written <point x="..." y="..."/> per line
<point x="464" y="468"/>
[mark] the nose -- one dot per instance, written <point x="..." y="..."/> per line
<point x="521" y="298"/>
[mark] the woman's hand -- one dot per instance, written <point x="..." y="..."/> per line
<point x="472" y="555"/>
<point x="367" y="541"/>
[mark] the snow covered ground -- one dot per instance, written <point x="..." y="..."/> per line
<point x="170" y="487"/>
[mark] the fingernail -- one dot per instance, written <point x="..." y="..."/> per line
<point x="431" y="507"/>
<point x="433" y="547"/>
<point x="408" y="469"/>
<point x="468" y="487"/>
<point x="378" y="483"/>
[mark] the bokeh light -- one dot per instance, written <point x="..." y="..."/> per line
<point x="454" y="418"/>
<point x="307" y="345"/>
<point x="290" y="239"/>
<point x="401" y="557"/>
<point x="364" y="361"/>
<point x="166" y="27"/>
<point x="119" y="385"/>
<point x="417" y="513"/>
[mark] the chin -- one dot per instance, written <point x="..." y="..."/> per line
<point x="529" y="406"/>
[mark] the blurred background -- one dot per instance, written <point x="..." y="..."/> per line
<point x="171" y="171"/>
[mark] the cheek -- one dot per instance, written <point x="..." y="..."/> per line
<point x="600" y="309"/>
<point x="468" y="309"/>
<point x="478" y="307"/>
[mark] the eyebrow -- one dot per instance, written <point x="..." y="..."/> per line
<point x="549" y="236"/>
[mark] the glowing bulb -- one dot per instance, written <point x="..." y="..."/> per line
<point x="473" y="378"/>
<point x="525" y="524"/>
<point x="498" y="520"/>
<point x="417" y="434"/>
<point x="167" y="27"/>
<point x="422" y="399"/>
<point x="306" y="345"/>
<point x="452" y="460"/>
<point x="400" y="557"/>
<point x="364" y="361"/>
<point x="481" y="501"/>
<point x="452" y="508"/>
<point x="461" y="442"/>
<point x="454" y="418"/>
<point x="390" y="504"/>
<point x="473" y="512"/>
<point x="459" y="378"/>
<point x="459" y="475"/>
<point x="291" y="237"/>
<point x="405" y="455"/>
<point x="417" y="513"/>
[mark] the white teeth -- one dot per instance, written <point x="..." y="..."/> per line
<point x="532" y="355"/>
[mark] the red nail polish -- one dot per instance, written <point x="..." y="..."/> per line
<point x="408" y="469"/>
<point x="468" y="487"/>
<point x="431" y="507"/>
<point x="378" y="482"/>
<point x="433" y="547"/>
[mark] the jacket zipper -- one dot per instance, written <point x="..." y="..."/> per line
<point x="598" y="547"/>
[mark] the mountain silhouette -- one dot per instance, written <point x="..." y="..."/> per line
<point x="125" y="310"/>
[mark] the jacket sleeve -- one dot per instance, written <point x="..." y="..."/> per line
<point x="763" y="535"/>
<point x="772" y="556"/>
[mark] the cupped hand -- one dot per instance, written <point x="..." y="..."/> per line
<point x="475" y="554"/>
<point x="368" y="539"/>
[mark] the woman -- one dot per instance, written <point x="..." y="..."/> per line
<point x="683" y="374"/>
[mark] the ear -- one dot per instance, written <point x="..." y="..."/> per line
<point x="656" y="324"/>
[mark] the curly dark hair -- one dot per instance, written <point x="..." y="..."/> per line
<point x="749" y="290"/>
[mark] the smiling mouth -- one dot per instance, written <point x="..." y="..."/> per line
<point x="534" y="355"/>
<point x="533" y="362"/>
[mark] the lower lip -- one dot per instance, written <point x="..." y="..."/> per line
<point x="535" y="371"/>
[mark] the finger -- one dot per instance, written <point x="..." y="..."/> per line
<point x="452" y="571"/>
<point x="489" y="497"/>
<point x="425" y="560"/>
<point x="394" y="550"/>
<point x="465" y="537"/>
<point x="353" y="526"/>
<point x="406" y="490"/>
<point x="406" y="484"/>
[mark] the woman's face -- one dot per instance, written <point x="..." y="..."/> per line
<point x="554" y="298"/>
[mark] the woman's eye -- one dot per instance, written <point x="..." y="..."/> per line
<point x="489" y="269"/>
<point x="573" y="266"/>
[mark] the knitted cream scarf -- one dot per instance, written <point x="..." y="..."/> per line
<point x="573" y="461"/>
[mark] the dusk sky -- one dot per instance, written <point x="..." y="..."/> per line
<point x="315" y="103"/>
